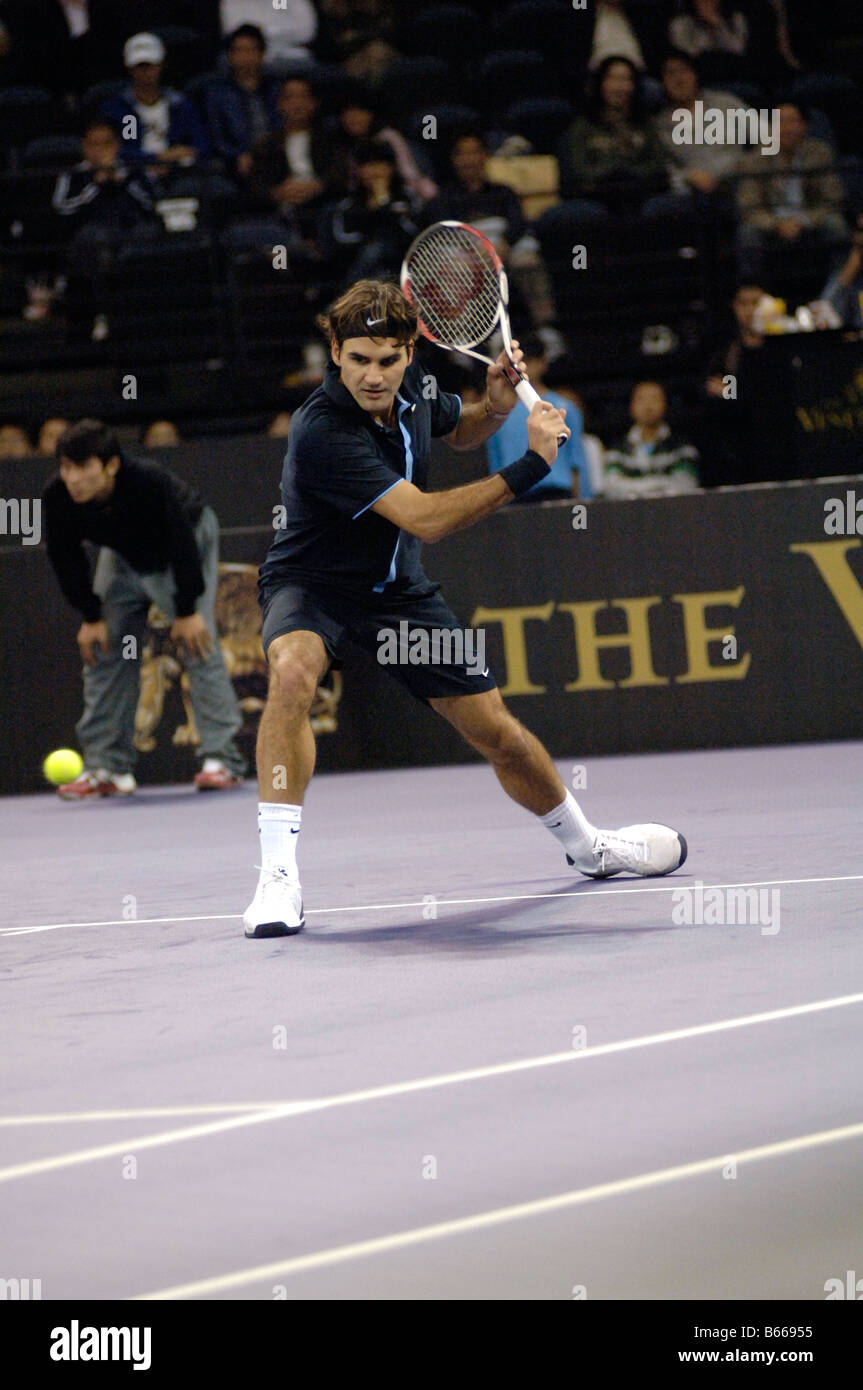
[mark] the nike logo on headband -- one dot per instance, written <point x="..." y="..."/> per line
<point x="372" y="323"/>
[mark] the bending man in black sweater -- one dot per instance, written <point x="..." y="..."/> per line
<point x="160" y="544"/>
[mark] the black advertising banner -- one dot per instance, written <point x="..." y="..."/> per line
<point x="718" y="619"/>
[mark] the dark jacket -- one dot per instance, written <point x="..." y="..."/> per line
<point x="120" y="203"/>
<point x="271" y="165"/>
<point x="149" y="519"/>
<point x="229" y="122"/>
<point x="184" y="124"/>
<point x="598" y="160"/>
<point x="493" y="200"/>
<point x="381" y="234"/>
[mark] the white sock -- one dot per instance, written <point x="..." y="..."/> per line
<point x="279" y="829"/>
<point x="569" y="825"/>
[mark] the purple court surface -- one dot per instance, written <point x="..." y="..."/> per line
<point x="474" y="1076"/>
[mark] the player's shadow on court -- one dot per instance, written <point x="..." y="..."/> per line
<point x="498" y="927"/>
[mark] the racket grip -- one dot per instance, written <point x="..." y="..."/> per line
<point x="529" y="398"/>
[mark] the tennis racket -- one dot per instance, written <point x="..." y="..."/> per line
<point x="456" y="281"/>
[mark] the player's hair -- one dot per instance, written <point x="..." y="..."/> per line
<point x="247" y="31"/>
<point x="88" y="439"/>
<point x="370" y="309"/>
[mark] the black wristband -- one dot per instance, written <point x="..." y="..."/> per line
<point x="521" y="475"/>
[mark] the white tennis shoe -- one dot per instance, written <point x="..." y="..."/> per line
<point x="647" y="850"/>
<point x="277" y="907"/>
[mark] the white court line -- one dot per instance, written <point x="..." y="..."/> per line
<point x="152" y="1112"/>
<point x="288" y="1109"/>
<point x="674" y="887"/>
<point x="542" y="1207"/>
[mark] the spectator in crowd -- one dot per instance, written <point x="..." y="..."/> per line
<point x="845" y="289"/>
<point x="289" y="28"/>
<point x="710" y="26"/>
<point x="280" y="425"/>
<point x="359" y="122"/>
<point x="64" y="45"/>
<point x="699" y="170"/>
<point x="367" y="234"/>
<point x="611" y="159"/>
<point x="470" y="197"/>
<point x="160" y="127"/>
<point x="792" y="198"/>
<point x="107" y="203"/>
<point x="494" y="209"/>
<point x="162" y="434"/>
<point x="49" y="433"/>
<point x="568" y="475"/>
<point x="734" y="41"/>
<point x="729" y="358"/>
<point x="14" y="442"/>
<point x="559" y="376"/>
<point x="243" y="109"/>
<point x="744" y="428"/>
<point x="296" y="168"/>
<point x="360" y="35"/>
<point x="650" y="461"/>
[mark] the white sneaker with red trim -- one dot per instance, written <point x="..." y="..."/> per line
<point x="91" y="785"/>
<point x="215" y="777"/>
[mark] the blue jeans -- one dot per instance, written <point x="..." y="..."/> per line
<point x="106" y="729"/>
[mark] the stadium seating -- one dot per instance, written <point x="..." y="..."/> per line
<point x="505" y="67"/>
<point x="26" y="114"/>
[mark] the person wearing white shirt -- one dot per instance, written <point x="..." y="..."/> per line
<point x="650" y="461"/>
<point x="289" y="30"/>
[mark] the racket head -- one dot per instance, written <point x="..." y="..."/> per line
<point x="455" y="279"/>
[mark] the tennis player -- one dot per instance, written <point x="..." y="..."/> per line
<point x="346" y="565"/>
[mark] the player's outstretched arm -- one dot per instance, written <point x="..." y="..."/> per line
<point x="433" y="515"/>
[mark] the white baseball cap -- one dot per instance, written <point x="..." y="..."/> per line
<point x="143" y="48"/>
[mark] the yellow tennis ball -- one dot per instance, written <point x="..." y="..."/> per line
<point x="63" y="765"/>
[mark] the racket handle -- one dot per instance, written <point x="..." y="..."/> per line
<point x="529" y="398"/>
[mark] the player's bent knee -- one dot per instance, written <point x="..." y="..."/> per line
<point x="295" y="673"/>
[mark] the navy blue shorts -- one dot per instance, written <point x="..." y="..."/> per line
<point x="417" y="641"/>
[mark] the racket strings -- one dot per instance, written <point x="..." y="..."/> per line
<point x="455" y="286"/>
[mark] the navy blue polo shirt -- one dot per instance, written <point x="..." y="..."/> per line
<point x="340" y="460"/>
